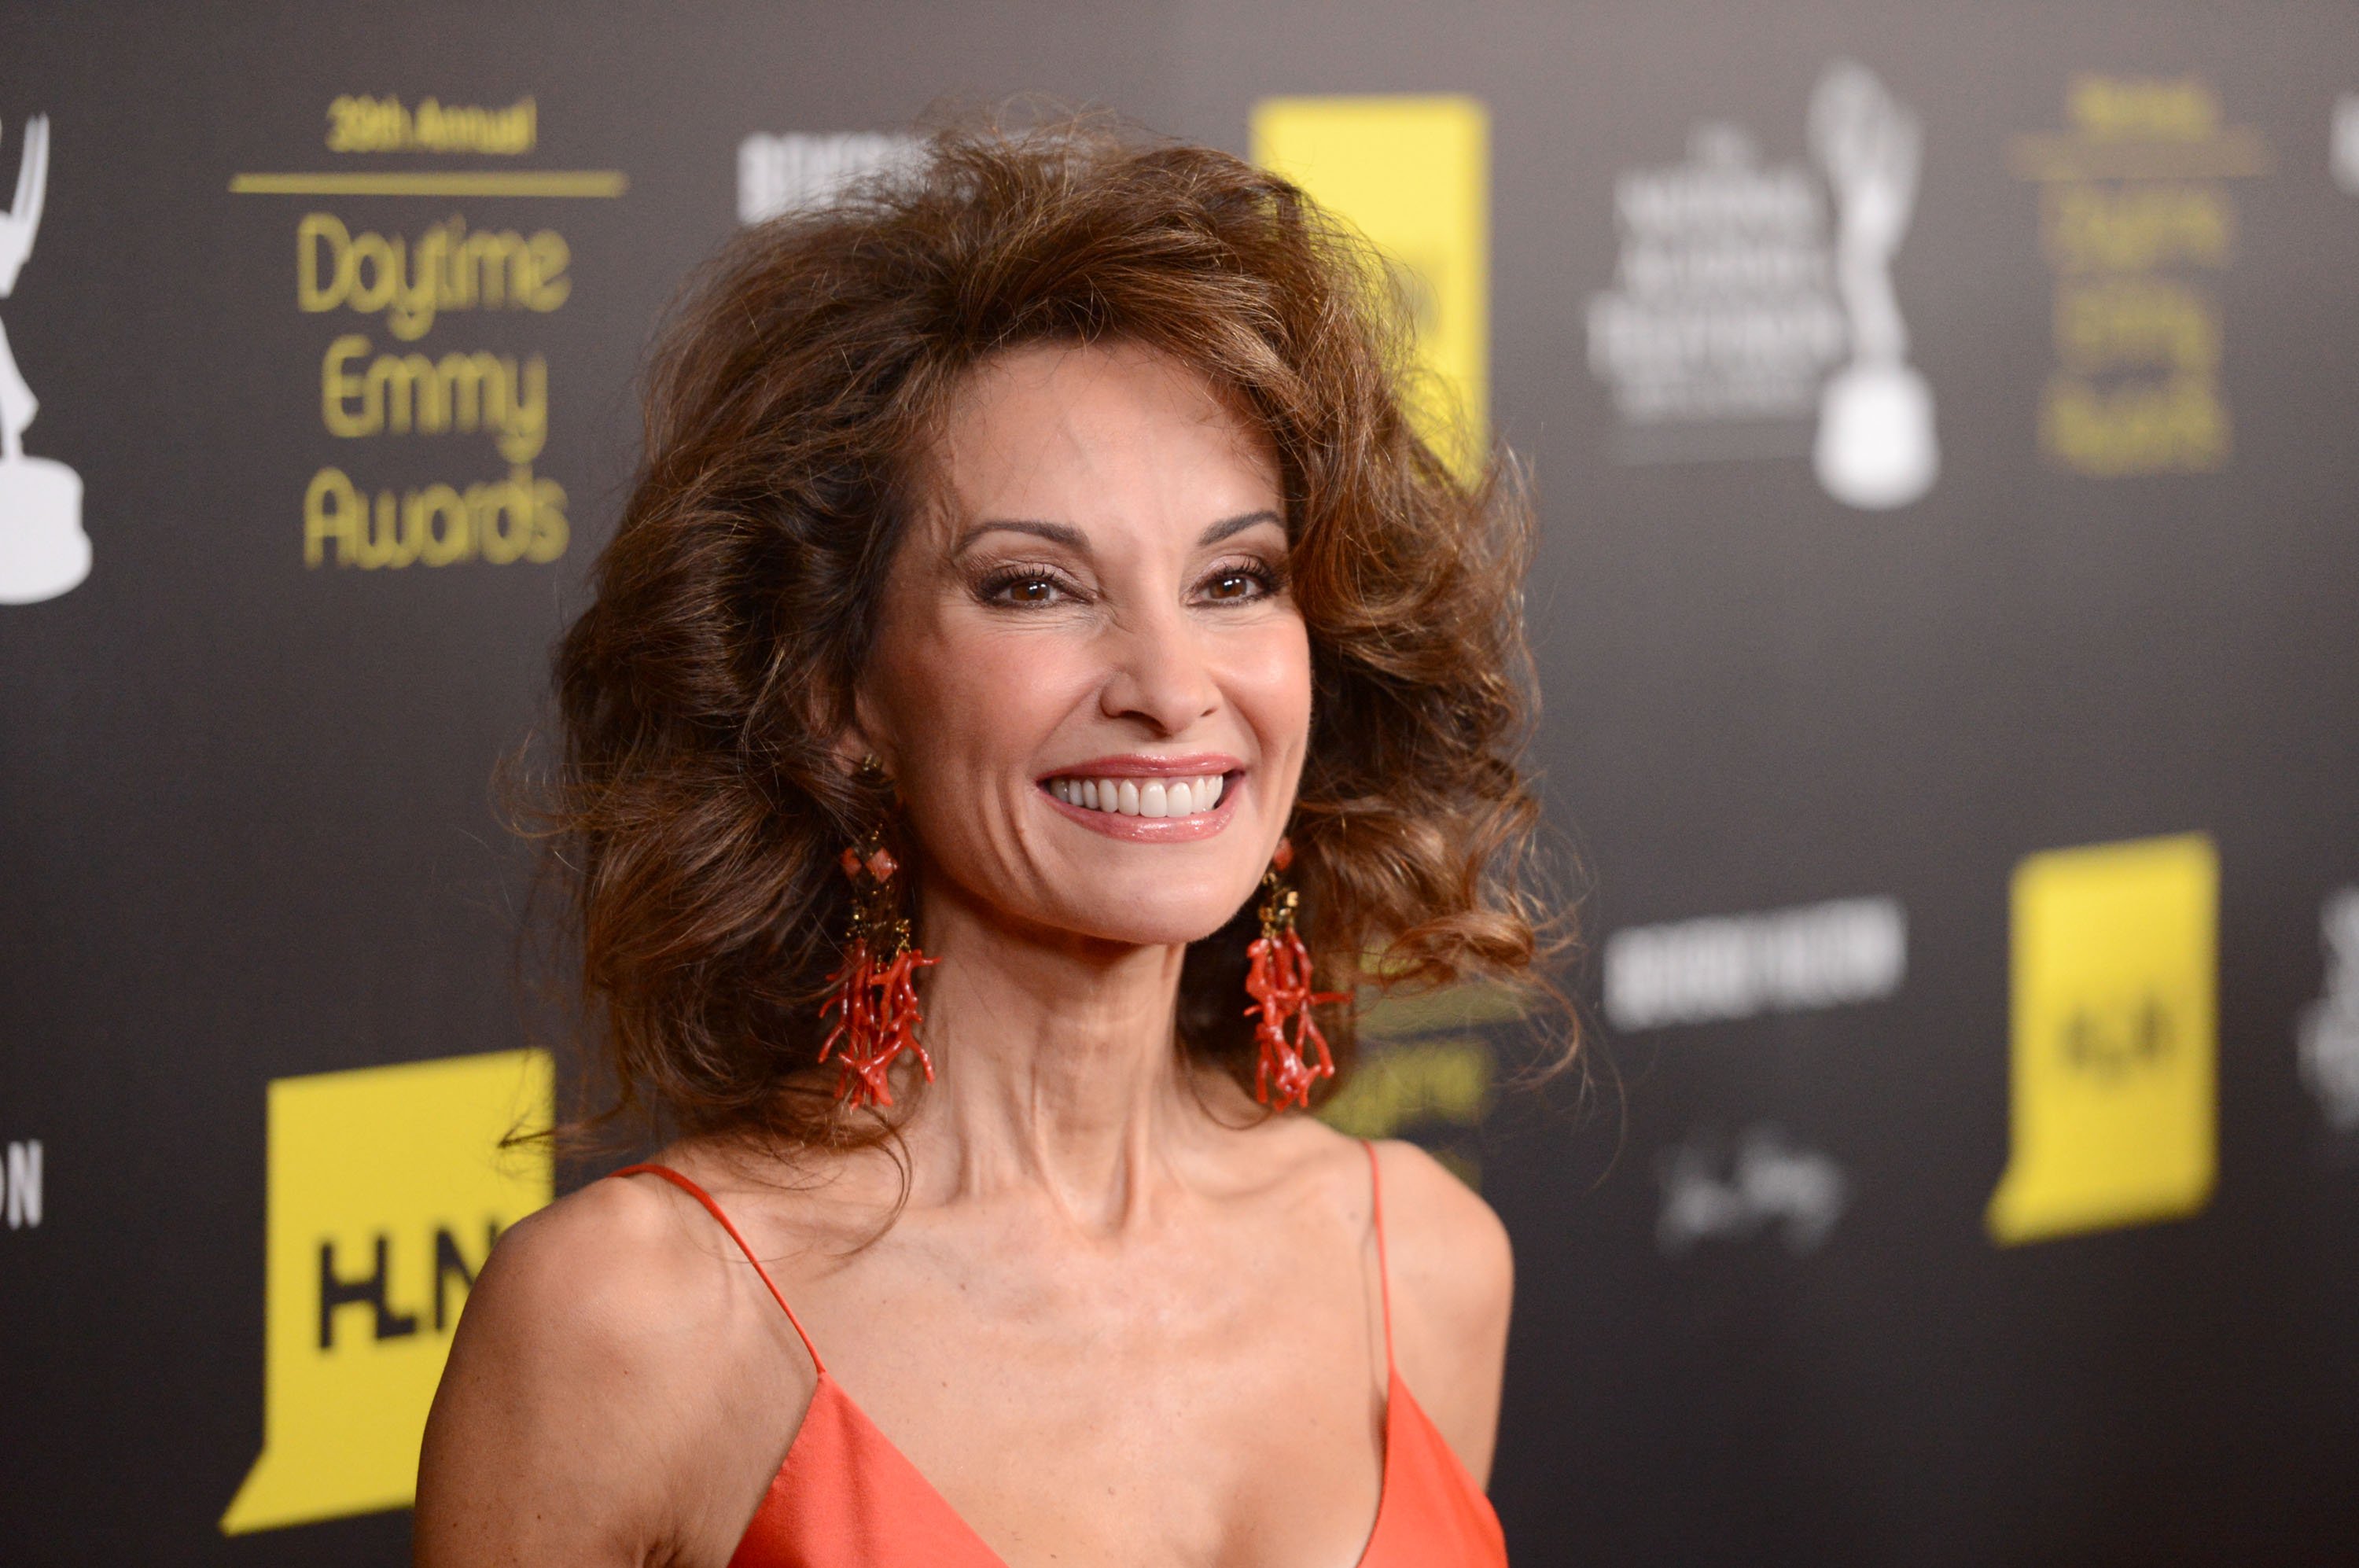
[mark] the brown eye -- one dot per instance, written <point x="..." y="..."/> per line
<point x="1238" y="584"/>
<point x="1023" y="587"/>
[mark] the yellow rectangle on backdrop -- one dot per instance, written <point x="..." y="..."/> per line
<point x="1413" y="174"/>
<point x="2114" y="957"/>
<point x="388" y="1187"/>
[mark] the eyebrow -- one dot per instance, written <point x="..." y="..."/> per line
<point x="1072" y="538"/>
<point x="1235" y="525"/>
<point x="1056" y="533"/>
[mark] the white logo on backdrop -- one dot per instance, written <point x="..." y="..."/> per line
<point x="1739" y="313"/>
<point x="20" y="1184"/>
<point x="1875" y="445"/>
<point x="43" y="552"/>
<point x="779" y="173"/>
<point x="1769" y="1182"/>
<point x="1723" y="307"/>
<point x="2329" y="1025"/>
<point x="1736" y="966"/>
<point x="2344" y="145"/>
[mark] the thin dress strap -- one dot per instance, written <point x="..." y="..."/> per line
<point x="1384" y="1275"/>
<point x="702" y="1196"/>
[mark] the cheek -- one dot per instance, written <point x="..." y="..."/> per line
<point x="1268" y="679"/>
<point x="964" y="704"/>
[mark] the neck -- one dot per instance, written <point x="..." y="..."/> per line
<point x="1058" y="1071"/>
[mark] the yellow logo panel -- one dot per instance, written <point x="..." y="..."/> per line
<point x="2115" y="955"/>
<point x="388" y="1187"/>
<point x="1413" y="174"/>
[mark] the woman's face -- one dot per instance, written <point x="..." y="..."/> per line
<point x="1090" y="682"/>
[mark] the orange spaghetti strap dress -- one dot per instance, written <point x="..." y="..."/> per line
<point x="846" y="1497"/>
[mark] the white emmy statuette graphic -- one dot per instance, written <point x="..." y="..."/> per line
<point x="43" y="551"/>
<point x="1875" y="446"/>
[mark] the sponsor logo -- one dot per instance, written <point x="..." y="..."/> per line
<point x="2114" y="959"/>
<point x="778" y="174"/>
<point x="20" y="1184"/>
<point x="1741" y="310"/>
<point x="1413" y="175"/>
<point x="1736" y="966"/>
<point x="2329" y="1025"/>
<point x="1722" y="308"/>
<point x="43" y="552"/>
<point x="2135" y="216"/>
<point x="1770" y="1183"/>
<point x="1426" y="1072"/>
<point x="388" y="1186"/>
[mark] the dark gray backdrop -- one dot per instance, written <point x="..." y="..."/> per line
<point x="247" y="830"/>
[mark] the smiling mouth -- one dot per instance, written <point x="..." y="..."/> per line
<point x="1185" y="797"/>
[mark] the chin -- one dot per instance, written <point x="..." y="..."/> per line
<point x="1160" y="914"/>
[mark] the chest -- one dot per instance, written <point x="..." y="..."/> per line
<point x="1214" y="1400"/>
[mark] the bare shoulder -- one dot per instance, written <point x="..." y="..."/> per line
<point x="1453" y="1277"/>
<point x="603" y="1282"/>
<point x="1443" y="1238"/>
<point x="1447" y="1249"/>
<point x="592" y="1384"/>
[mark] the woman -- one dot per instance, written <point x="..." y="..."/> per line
<point x="1035" y="606"/>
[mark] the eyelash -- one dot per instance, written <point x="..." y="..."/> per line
<point x="999" y="580"/>
<point x="1268" y="579"/>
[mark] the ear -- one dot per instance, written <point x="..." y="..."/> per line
<point x="865" y="737"/>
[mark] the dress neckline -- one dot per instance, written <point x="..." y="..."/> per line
<point x="1397" y="1399"/>
<point x="1400" y="1405"/>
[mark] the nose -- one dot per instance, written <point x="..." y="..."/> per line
<point x="1160" y="675"/>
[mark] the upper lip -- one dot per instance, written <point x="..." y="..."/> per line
<point x="1138" y="764"/>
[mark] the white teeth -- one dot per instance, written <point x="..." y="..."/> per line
<point x="1153" y="798"/>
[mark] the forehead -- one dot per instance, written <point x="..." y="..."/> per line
<point x="1098" y="433"/>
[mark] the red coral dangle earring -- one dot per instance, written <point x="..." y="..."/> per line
<point x="875" y="998"/>
<point x="1278" y="978"/>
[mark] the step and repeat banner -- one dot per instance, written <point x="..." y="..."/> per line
<point x="1945" y="422"/>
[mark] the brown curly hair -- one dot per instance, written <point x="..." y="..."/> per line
<point x="700" y="805"/>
